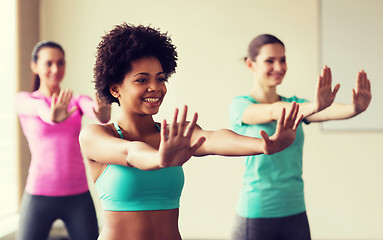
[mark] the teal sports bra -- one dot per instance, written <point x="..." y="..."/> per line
<point x="123" y="188"/>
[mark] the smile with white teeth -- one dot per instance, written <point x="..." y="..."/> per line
<point x="151" y="100"/>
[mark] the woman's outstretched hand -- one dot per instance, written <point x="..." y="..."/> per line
<point x="362" y="95"/>
<point x="284" y="134"/>
<point x="176" y="147"/>
<point x="324" y="95"/>
<point x="59" y="106"/>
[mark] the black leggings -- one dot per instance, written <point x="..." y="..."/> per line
<point x="295" y="227"/>
<point x="37" y="214"/>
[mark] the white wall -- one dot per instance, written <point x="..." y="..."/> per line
<point x="341" y="169"/>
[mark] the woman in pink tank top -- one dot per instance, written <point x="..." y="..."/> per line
<point x="50" y="117"/>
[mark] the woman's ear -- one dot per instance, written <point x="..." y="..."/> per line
<point x="34" y="67"/>
<point x="249" y="63"/>
<point x="114" y="91"/>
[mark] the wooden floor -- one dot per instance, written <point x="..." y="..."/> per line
<point x="55" y="234"/>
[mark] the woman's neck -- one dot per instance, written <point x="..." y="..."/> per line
<point x="265" y="94"/>
<point x="137" y="125"/>
<point x="48" y="91"/>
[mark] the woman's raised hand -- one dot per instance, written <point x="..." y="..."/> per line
<point x="324" y="95"/>
<point x="102" y="110"/>
<point x="284" y="134"/>
<point x="59" y="106"/>
<point x="176" y="147"/>
<point x="362" y="95"/>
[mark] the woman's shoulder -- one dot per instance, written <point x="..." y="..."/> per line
<point x="25" y="94"/>
<point x="23" y="99"/>
<point x="93" y="132"/>
<point x="244" y="98"/>
<point x="98" y="128"/>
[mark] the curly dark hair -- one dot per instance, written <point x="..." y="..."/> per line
<point x="124" y="44"/>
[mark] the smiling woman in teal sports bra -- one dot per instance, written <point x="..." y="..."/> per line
<point x="136" y="163"/>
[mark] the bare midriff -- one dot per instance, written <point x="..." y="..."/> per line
<point x="140" y="225"/>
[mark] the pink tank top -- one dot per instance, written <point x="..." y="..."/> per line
<point x="57" y="167"/>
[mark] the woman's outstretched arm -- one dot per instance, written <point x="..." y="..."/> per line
<point x="99" y="144"/>
<point x="361" y="98"/>
<point x="228" y="143"/>
<point x="260" y="113"/>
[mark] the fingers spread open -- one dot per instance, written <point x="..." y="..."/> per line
<point x="297" y="122"/>
<point x="60" y="96"/>
<point x="67" y="97"/>
<point x="173" y="125"/>
<point x="320" y="82"/>
<point x="354" y="95"/>
<point x="53" y="100"/>
<point x="368" y="85"/>
<point x="164" y="131"/>
<point x="322" y="76"/>
<point x="362" y="81"/>
<point x="265" y="137"/>
<point x="72" y="110"/>
<point x="325" y="76"/>
<point x="198" y="143"/>
<point x="359" y="81"/>
<point x="336" y="88"/>
<point x="191" y="126"/>
<point x="290" y="116"/>
<point x="281" y="120"/>
<point x="294" y="117"/>
<point x="182" y="124"/>
<point x="328" y="75"/>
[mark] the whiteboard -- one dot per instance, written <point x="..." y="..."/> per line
<point x="351" y="39"/>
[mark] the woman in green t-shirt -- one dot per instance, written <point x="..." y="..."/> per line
<point x="271" y="203"/>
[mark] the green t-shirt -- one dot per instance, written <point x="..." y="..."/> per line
<point x="272" y="184"/>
